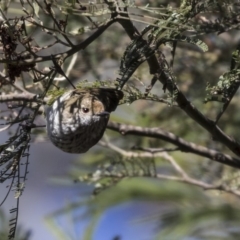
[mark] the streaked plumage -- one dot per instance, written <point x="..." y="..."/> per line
<point x="77" y="120"/>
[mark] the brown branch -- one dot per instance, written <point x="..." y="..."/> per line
<point x="132" y="154"/>
<point x="177" y="141"/>
<point x="187" y="180"/>
<point x="205" y="186"/>
<point x="28" y="97"/>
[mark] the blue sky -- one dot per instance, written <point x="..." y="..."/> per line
<point x="41" y="198"/>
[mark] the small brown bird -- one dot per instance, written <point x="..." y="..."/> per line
<point x="77" y="120"/>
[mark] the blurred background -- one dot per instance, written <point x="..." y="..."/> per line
<point x="58" y="201"/>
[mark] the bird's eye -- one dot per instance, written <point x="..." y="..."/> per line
<point x="85" y="110"/>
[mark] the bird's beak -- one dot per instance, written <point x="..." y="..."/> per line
<point x="103" y="114"/>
